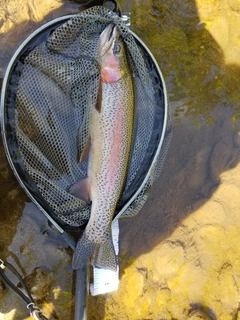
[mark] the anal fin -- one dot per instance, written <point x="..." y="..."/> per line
<point x="82" y="253"/>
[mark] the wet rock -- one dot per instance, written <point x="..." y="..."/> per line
<point x="198" y="315"/>
<point x="25" y="250"/>
<point x="237" y="139"/>
<point x="234" y="5"/>
<point x="219" y="159"/>
<point x="134" y="286"/>
<point x="3" y="289"/>
<point x="39" y="282"/>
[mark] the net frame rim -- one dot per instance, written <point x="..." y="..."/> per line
<point x="5" y="84"/>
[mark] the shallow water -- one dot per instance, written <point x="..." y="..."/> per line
<point x="182" y="251"/>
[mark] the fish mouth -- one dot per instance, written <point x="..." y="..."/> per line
<point x="107" y="38"/>
<point x="111" y="32"/>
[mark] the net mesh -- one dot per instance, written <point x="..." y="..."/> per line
<point x="58" y="88"/>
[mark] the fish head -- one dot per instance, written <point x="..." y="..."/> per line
<point x="112" y="55"/>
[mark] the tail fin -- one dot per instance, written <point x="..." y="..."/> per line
<point x="83" y="251"/>
<point x="104" y="255"/>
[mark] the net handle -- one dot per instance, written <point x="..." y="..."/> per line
<point x="34" y="310"/>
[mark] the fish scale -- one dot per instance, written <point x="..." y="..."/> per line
<point x="111" y="131"/>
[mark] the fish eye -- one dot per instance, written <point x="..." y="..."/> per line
<point x="117" y="49"/>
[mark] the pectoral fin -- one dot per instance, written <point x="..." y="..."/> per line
<point x="81" y="190"/>
<point x="82" y="252"/>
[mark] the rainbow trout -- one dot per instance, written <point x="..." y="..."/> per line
<point x="111" y="130"/>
